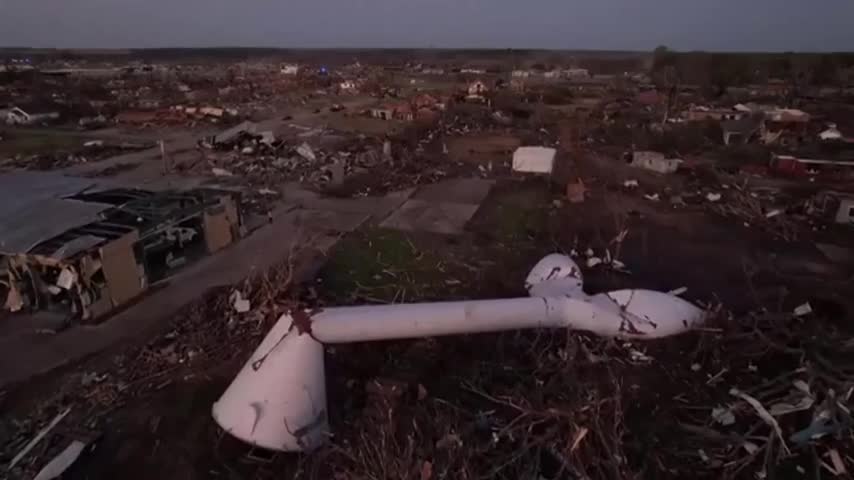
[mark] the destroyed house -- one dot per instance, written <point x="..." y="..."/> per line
<point x="382" y="113"/>
<point x="700" y="114"/>
<point x="15" y="115"/>
<point x="836" y="166"/>
<point x="477" y="88"/>
<point x="743" y="130"/>
<point x="403" y="112"/>
<point x="654" y="161"/>
<point x="424" y="100"/>
<point x="786" y="126"/>
<point x="101" y="249"/>
<point x="833" y="205"/>
<point x="399" y="111"/>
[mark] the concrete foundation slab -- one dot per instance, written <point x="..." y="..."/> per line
<point x="457" y="190"/>
<point x="437" y="217"/>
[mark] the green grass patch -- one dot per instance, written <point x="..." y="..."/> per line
<point x="378" y="265"/>
<point x="19" y="143"/>
<point x="514" y="216"/>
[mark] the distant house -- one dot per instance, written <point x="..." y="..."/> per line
<point x="836" y="133"/>
<point x="534" y="159"/>
<point x="552" y="74"/>
<point x="576" y="73"/>
<point x="800" y="165"/>
<point x="477" y="88"/>
<point x="476" y="71"/>
<point x="833" y="205"/>
<point x="382" y="113"/>
<point x="785" y="126"/>
<point x="655" y="161"/>
<point x="845" y="211"/>
<point x="699" y="114"/>
<point x="425" y="100"/>
<point x="211" y="111"/>
<point x="347" y="86"/>
<point x="149" y="103"/>
<point x="400" y="111"/>
<point x="787" y="115"/>
<point x="289" y="69"/>
<point x="741" y="131"/>
<point x="832" y="133"/>
<point x="14" y="116"/>
<point x="520" y="73"/>
<point x="17" y="116"/>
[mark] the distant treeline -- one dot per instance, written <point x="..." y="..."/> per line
<point x="716" y="70"/>
<point x="505" y="58"/>
<point x="727" y="69"/>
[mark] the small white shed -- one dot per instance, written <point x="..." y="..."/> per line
<point x="655" y="161"/>
<point x="534" y="159"/>
<point x="845" y="212"/>
<point x="832" y="133"/>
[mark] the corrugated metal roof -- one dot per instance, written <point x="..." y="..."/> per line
<point x="33" y="208"/>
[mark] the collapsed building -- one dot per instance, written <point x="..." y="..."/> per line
<point x="84" y="250"/>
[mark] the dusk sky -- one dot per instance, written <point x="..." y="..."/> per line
<point x="755" y="25"/>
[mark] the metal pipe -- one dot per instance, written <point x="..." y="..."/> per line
<point x="390" y="322"/>
<point x="278" y="400"/>
<point x="622" y="313"/>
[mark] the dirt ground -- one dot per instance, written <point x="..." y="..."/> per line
<point x="482" y="148"/>
<point x="28" y="143"/>
<point x="514" y="405"/>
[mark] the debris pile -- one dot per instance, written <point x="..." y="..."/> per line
<point x="583" y="409"/>
<point x="267" y="164"/>
<point x="749" y="209"/>
<point x="219" y="328"/>
<point x="370" y="165"/>
<point x="798" y="420"/>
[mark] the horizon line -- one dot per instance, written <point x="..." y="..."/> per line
<point x="485" y="49"/>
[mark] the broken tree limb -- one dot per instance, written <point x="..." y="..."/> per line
<point x="763" y="414"/>
<point x="38" y="438"/>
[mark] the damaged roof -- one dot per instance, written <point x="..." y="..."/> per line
<point x="34" y="207"/>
